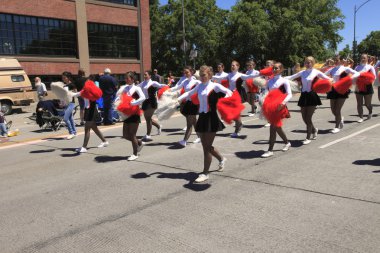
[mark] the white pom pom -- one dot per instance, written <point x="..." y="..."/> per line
<point x="294" y="86"/>
<point x="260" y="82"/>
<point x="167" y="105"/>
<point x="60" y="92"/>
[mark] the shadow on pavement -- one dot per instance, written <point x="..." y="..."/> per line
<point x="320" y="131"/>
<point x="42" y="151"/>
<point x="249" y="154"/>
<point x="170" y="130"/>
<point x="253" y="126"/>
<point x="70" y="155"/>
<point x="106" y="159"/>
<point x="374" y="162"/>
<point x="345" y="121"/>
<point x="188" y="176"/>
<point x="241" y="137"/>
<point x="111" y="136"/>
<point x="54" y="139"/>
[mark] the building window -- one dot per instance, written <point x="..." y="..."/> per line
<point x="27" y="35"/>
<point x="113" y="41"/>
<point x="127" y="2"/>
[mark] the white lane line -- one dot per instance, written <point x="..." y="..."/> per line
<point x="349" y="136"/>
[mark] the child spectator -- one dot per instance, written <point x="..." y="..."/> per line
<point x="3" y="127"/>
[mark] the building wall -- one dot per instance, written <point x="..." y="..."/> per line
<point x="41" y="8"/>
<point x="111" y="15"/>
<point x="96" y="11"/>
<point x="49" y="68"/>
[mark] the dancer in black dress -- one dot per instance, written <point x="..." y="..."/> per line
<point x="91" y="115"/>
<point x="149" y="88"/>
<point x="131" y="124"/>
<point x="188" y="108"/>
<point x="208" y="122"/>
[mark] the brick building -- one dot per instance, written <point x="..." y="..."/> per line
<point x="52" y="36"/>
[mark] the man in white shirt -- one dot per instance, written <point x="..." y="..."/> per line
<point x="41" y="89"/>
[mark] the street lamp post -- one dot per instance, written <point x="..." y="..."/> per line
<point x="354" y="44"/>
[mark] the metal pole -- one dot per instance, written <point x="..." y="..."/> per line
<point x="354" y="44"/>
<point x="183" y="33"/>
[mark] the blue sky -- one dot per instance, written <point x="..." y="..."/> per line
<point x="367" y="18"/>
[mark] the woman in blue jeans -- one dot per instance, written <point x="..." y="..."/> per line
<point x="68" y="116"/>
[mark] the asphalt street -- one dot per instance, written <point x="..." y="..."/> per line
<point x="322" y="197"/>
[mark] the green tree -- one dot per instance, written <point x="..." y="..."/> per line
<point x="283" y="30"/>
<point x="297" y="28"/>
<point x="371" y="44"/>
<point x="346" y="52"/>
<point x="302" y="28"/>
<point x="247" y="36"/>
<point x="204" y="26"/>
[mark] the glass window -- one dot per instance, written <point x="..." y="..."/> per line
<point x="126" y="2"/>
<point x="26" y="35"/>
<point x="113" y="41"/>
<point x="17" y="78"/>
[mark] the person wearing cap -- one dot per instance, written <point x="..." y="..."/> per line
<point x="108" y="85"/>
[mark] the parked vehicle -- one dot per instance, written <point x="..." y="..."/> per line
<point x="15" y="86"/>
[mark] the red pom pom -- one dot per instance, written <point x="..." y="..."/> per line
<point x="343" y="85"/>
<point x="90" y="91"/>
<point x="270" y="107"/>
<point x="161" y="91"/>
<point x="267" y="71"/>
<point x="230" y="107"/>
<point x="194" y="99"/>
<point x="225" y="83"/>
<point x="251" y="87"/>
<point x="322" y="86"/>
<point x="365" y="78"/>
<point x="126" y="107"/>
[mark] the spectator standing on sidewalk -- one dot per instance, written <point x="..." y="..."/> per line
<point x="67" y="78"/>
<point x="41" y="88"/>
<point x="108" y="85"/>
<point x="156" y="77"/>
<point x="79" y="83"/>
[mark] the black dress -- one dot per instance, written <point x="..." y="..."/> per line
<point x="188" y="108"/>
<point x="368" y="91"/>
<point x="210" y="122"/>
<point x="91" y="113"/>
<point x="151" y="101"/>
<point x="310" y="98"/>
<point x="333" y="94"/>
<point x="133" y="118"/>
